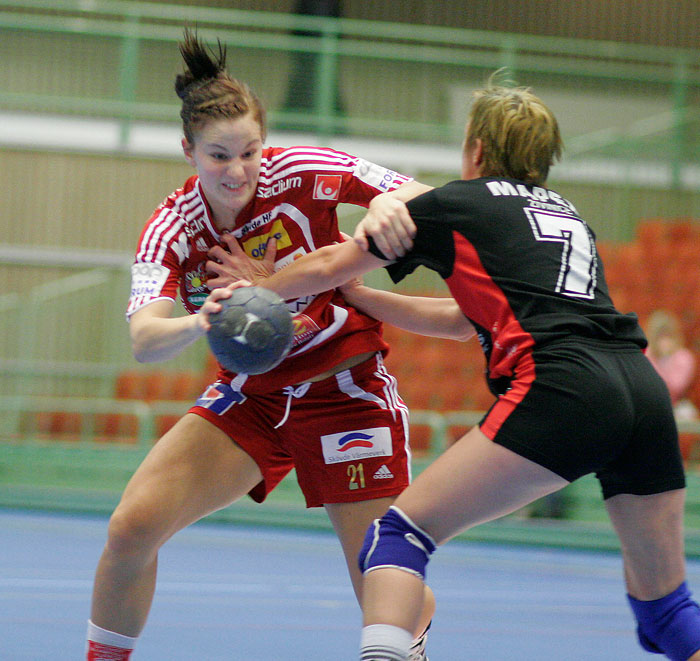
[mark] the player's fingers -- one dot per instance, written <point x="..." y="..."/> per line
<point x="218" y="293"/>
<point x="211" y="266"/>
<point x="217" y="253"/>
<point x="360" y="238"/>
<point x="237" y="285"/>
<point x="386" y="240"/>
<point x="405" y="229"/>
<point x="270" y="252"/>
<point x="232" y="243"/>
<point x="391" y="248"/>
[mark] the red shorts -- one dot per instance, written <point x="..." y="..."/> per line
<point x="346" y="436"/>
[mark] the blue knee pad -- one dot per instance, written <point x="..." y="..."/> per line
<point x="670" y="625"/>
<point x="395" y="541"/>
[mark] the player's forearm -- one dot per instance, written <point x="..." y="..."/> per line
<point x="437" y="317"/>
<point x="321" y="270"/>
<point x="158" y="339"/>
<point x="409" y="190"/>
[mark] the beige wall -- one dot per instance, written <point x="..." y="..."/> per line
<point x="81" y="200"/>
<point x="661" y="22"/>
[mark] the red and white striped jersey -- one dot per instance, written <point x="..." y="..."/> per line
<point x="298" y="191"/>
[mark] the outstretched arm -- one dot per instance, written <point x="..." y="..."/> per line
<point x="321" y="270"/>
<point x="156" y="336"/>
<point x="388" y="222"/>
<point x="425" y="315"/>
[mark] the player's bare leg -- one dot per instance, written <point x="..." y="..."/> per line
<point x="474" y="481"/>
<point x="193" y="470"/>
<point x="350" y="521"/>
<point x="650" y="529"/>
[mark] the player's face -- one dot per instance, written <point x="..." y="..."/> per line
<point x="227" y="154"/>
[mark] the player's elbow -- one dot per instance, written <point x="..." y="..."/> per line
<point x="141" y="354"/>
<point x="141" y="348"/>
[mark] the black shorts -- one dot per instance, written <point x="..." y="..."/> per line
<point x="582" y="406"/>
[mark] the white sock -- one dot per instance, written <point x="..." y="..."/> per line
<point x="104" y="637"/>
<point x="385" y="642"/>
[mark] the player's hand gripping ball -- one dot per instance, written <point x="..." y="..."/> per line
<point x="253" y="332"/>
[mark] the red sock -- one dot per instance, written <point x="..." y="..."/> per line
<point x="101" y="652"/>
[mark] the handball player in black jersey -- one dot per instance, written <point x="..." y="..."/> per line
<point x="576" y="394"/>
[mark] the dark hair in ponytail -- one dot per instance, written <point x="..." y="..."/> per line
<point x="209" y="92"/>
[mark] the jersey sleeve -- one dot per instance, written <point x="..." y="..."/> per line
<point x="155" y="273"/>
<point x="151" y="281"/>
<point x="365" y="180"/>
<point x="432" y="246"/>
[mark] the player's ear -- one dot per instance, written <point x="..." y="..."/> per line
<point x="478" y="153"/>
<point x="187" y="150"/>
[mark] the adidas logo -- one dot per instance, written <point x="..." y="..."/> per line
<point x="383" y="473"/>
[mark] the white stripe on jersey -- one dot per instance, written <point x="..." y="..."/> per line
<point x="391" y="392"/>
<point x="152" y="237"/>
<point x="302" y="167"/>
<point x="291" y="211"/>
<point x="161" y="231"/>
<point x="302" y="159"/>
<point x="305" y="154"/>
<point x="167" y="224"/>
<point x="282" y="165"/>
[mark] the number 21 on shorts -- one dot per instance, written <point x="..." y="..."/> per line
<point x="356" y="473"/>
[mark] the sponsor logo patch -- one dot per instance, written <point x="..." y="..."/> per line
<point x="374" y="175"/>
<point x="356" y="445"/>
<point x="256" y="246"/>
<point x="304" y="328"/>
<point x="219" y="398"/>
<point x="147" y="279"/>
<point x="196" y="281"/>
<point x="383" y="473"/>
<point x="292" y="257"/>
<point x="279" y="187"/>
<point x="327" y="186"/>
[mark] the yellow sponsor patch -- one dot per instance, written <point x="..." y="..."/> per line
<point x="255" y="247"/>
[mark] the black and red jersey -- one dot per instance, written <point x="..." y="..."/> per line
<point x="522" y="265"/>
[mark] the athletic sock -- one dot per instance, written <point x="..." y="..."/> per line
<point x="103" y="645"/>
<point x="417" y="649"/>
<point x="384" y="642"/>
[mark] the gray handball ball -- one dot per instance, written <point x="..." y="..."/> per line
<point x="253" y="332"/>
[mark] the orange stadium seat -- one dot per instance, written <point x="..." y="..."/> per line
<point x="149" y="386"/>
<point x="116" y="428"/>
<point x="55" y="425"/>
<point x="436" y="374"/>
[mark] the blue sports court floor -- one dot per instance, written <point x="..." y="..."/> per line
<point x="264" y="594"/>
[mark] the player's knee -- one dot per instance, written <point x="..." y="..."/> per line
<point x="130" y="531"/>
<point x="395" y="541"/>
<point x="670" y="625"/>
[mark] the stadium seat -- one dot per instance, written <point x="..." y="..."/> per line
<point x="55" y="425"/>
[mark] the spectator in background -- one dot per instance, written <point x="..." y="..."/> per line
<point x="673" y="360"/>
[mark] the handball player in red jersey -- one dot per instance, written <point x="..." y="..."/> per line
<point x="330" y="410"/>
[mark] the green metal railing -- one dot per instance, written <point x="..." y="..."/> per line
<point x="331" y="41"/>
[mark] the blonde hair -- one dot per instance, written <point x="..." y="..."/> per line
<point x="519" y="133"/>
<point x="209" y="92"/>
